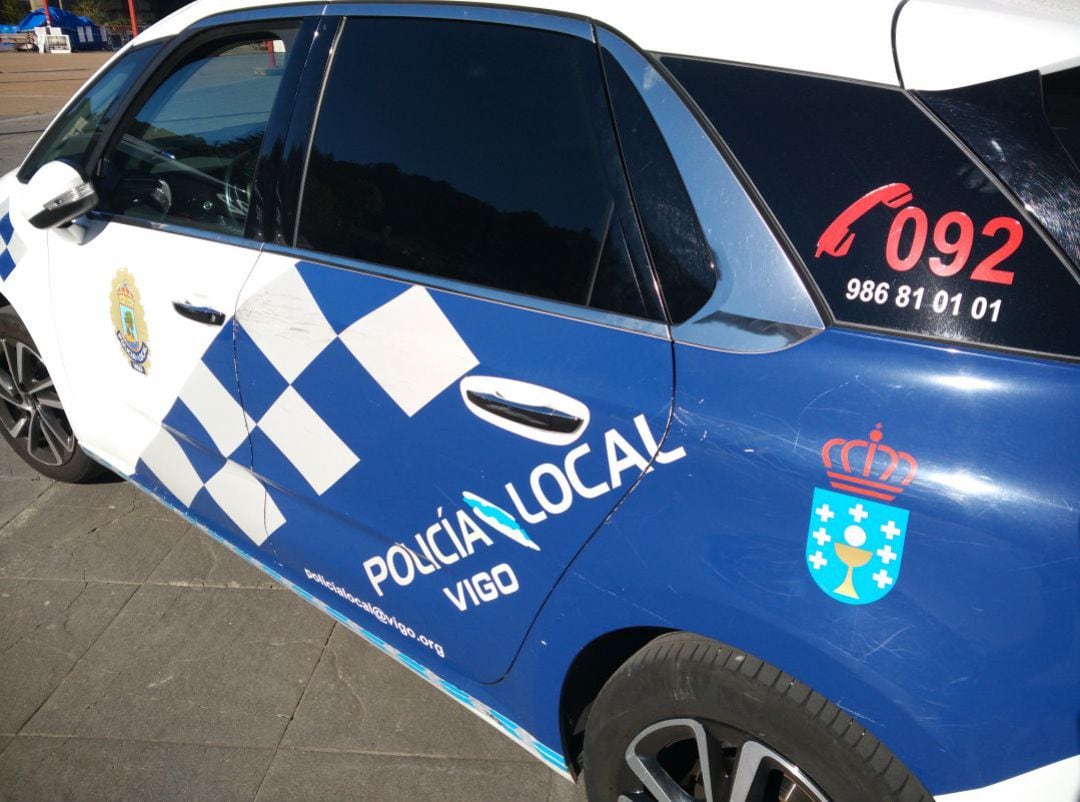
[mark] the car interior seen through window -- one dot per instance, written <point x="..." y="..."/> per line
<point x="188" y="155"/>
<point x="479" y="153"/>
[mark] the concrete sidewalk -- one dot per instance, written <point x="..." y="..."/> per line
<point x="139" y="659"/>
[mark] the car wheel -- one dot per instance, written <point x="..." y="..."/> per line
<point x="32" y="418"/>
<point x="688" y="718"/>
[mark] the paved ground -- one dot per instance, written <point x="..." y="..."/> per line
<point x="40" y="83"/>
<point x="141" y="660"/>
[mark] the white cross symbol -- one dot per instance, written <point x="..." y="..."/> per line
<point x="886" y="554"/>
<point x="818" y="560"/>
<point x="858" y="513"/>
<point x="889" y="530"/>
<point x="821" y="536"/>
<point x="824" y="513"/>
<point x="882" y="578"/>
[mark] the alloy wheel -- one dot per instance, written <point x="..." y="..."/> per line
<point x="30" y="409"/>
<point x="686" y="760"/>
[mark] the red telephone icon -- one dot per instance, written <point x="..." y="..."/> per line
<point x="837" y="238"/>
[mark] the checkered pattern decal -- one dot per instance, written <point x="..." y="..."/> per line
<point x="12" y="248"/>
<point x="405" y="343"/>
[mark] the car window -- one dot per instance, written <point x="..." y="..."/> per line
<point x="74" y="134"/>
<point x="475" y="152"/>
<point x="188" y="155"/>
<point x="673" y="232"/>
<point x="900" y="229"/>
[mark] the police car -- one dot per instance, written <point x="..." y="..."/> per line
<point x="691" y="396"/>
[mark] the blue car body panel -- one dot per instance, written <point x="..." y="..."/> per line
<point x="399" y="510"/>
<point x="990" y="581"/>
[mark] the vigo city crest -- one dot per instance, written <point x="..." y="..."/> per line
<point x="855" y="542"/>
<point x="129" y="320"/>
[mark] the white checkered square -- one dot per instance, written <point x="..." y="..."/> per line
<point x="410" y="348"/>
<point x="286" y="324"/>
<point x="244" y="499"/>
<point x="170" y="465"/>
<point x="17" y="248"/>
<point x="213" y="406"/>
<point x="307" y="442"/>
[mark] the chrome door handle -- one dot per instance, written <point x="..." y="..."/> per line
<point x="200" y="314"/>
<point x="546" y="418"/>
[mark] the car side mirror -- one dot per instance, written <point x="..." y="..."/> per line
<point x="58" y="193"/>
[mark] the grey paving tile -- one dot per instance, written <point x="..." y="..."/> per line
<point x="562" y="790"/>
<point x="4" y="741"/>
<point x="24" y="123"/>
<point x="198" y="560"/>
<point x="110" y="492"/>
<point x="56" y="541"/>
<point x="13" y="148"/>
<point x="360" y="700"/>
<point x="302" y="775"/>
<point x="215" y="666"/>
<point x="45" y="627"/>
<point x="11" y="466"/>
<point x="18" y="493"/>
<point x="75" y="769"/>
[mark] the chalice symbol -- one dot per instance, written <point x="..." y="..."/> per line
<point x="853" y="557"/>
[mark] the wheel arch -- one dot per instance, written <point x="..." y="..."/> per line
<point x="590" y="669"/>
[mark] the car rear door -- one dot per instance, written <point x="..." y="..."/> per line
<point x="460" y="366"/>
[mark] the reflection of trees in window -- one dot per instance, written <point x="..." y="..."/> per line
<point x="376" y="213"/>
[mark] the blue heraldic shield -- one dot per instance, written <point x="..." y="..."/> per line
<point x="854" y="546"/>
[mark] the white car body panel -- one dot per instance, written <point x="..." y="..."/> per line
<point x="944" y="44"/>
<point x="1058" y="782"/>
<point x="941" y="44"/>
<point x="115" y="410"/>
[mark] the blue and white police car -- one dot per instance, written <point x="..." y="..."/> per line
<point x="690" y="391"/>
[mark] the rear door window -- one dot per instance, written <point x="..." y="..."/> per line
<point x="899" y="228"/>
<point x="478" y="153"/>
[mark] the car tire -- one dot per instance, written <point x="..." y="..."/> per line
<point x="32" y="419"/>
<point x="764" y="735"/>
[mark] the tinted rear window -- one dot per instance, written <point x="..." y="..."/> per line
<point x="480" y="153"/>
<point x="898" y="226"/>
<point x="1026" y="128"/>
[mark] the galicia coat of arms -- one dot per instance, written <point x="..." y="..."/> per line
<point x="129" y="321"/>
<point x="855" y="542"/>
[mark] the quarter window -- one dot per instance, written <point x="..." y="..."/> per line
<point x="899" y="227"/>
<point x="476" y="152"/>
<point x="188" y="155"/>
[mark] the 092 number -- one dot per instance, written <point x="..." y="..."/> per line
<point x="953" y="236"/>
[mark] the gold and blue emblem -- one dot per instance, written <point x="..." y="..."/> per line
<point x="855" y="542"/>
<point x="129" y="321"/>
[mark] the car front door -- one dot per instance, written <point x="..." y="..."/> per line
<point x="143" y="301"/>
<point x="460" y="366"/>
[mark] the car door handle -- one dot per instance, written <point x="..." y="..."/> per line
<point x="200" y="314"/>
<point x="546" y="418"/>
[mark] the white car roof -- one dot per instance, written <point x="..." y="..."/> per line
<point x="940" y="44"/>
